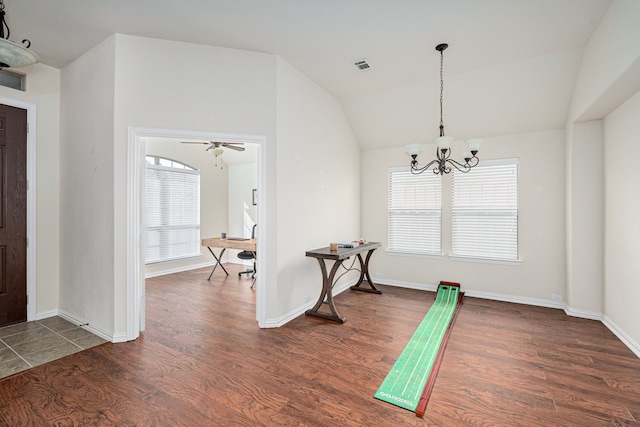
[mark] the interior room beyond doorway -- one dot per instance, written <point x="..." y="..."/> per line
<point x="139" y="139"/>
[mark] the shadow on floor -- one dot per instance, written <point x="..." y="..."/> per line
<point x="30" y="344"/>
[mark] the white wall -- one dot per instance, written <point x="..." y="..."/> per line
<point x="610" y="69"/>
<point x="243" y="179"/>
<point x="597" y="221"/>
<point x="622" y="227"/>
<point x="87" y="247"/>
<point x="222" y="90"/>
<point x="214" y="185"/>
<point x="43" y="91"/>
<point x="121" y="83"/>
<point x="318" y="181"/>
<point x="540" y="223"/>
<point x="217" y="90"/>
<point x="584" y="221"/>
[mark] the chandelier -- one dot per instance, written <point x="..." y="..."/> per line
<point x="12" y="54"/>
<point x="442" y="163"/>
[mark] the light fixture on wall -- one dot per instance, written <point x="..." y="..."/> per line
<point x="442" y="163"/>
<point x="13" y="55"/>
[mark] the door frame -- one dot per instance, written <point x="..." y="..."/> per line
<point x="135" y="281"/>
<point x="31" y="203"/>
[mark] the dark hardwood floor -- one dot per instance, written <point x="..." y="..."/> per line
<point x="204" y="362"/>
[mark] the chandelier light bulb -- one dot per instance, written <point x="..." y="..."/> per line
<point x="474" y="143"/>
<point x="444" y="142"/>
<point x="414" y="149"/>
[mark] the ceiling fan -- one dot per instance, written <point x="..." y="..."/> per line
<point x="216" y="146"/>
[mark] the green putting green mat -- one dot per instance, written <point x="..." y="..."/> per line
<point x="406" y="381"/>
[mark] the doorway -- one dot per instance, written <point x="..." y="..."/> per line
<point x="136" y="153"/>
<point x="31" y="200"/>
<point x="13" y="215"/>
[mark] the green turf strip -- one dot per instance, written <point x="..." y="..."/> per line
<point x="405" y="382"/>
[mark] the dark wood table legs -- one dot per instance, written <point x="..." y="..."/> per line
<point x="328" y="278"/>
<point x="327" y="294"/>
<point x="364" y="271"/>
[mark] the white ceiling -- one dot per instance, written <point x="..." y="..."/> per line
<point x="322" y="38"/>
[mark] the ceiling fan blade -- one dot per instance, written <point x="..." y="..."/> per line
<point x="226" y="144"/>
<point x="233" y="147"/>
<point x="194" y="142"/>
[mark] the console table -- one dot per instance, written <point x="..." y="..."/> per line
<point x="338" y="256"/>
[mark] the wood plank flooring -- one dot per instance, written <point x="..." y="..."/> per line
<point x="204" y="362"/>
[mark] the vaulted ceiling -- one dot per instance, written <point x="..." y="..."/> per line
<point x="510" y="67"/>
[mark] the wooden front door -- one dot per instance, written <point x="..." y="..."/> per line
<point x="13" y="215"/>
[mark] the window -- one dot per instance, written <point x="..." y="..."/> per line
<point x="12" y="80"/>
<point x="485" y="211"/>
<point x="414" y="212"/>
<point x="172" y="208"/>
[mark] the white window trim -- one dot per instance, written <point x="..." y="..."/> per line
<point x="486" y="260"/>
<point x="413" y="255"/>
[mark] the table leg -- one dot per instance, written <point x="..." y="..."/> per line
<point x="364" y="271"/>
<point x="327" y="291"/>
<point x="218" y="263"/>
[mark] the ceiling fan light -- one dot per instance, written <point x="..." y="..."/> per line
<point x="217" y="152"/>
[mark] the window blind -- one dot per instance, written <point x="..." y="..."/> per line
<point x="415" y="215"/>
<point x="485" y="211"/>
<point x="172" y="213"/>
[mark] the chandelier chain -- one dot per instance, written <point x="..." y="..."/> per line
<point x="5" y="32"/>
<point x="441" y="92"/>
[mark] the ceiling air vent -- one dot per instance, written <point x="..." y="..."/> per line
<point x="362" y="65"/>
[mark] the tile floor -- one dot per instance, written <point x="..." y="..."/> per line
<point x="29" y="344"/>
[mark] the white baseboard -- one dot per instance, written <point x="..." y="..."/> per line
<point x="626" y="339"/>
<point x="46" y="314"/>
<point x="408" y="285"/>
<point x="515" y="299"/>
<point x="583" y="313"/>
<point x="592" y="315"/>
<point x="180" y="269"/>
<point x="106" y="335"/>
<point x="280" y="321"/>
<point x="190" y="267"/>
<point x="476" y="294"/>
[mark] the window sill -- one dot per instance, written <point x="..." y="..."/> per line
<point x="406" y="254"/>
<point x="175" y="259"/>
<point x="486" y="260"/>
